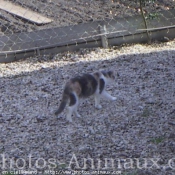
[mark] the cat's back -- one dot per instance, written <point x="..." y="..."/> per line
<point x="87" y="83"/>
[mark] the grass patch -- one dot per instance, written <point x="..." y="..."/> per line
<point x="157" y="140"/>
<point x="8" y="173"/>
<point x="146" y="112"/>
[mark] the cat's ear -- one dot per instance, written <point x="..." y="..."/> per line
<point x="97" y="74"/>
<point x="111" y="74"/>
<point x="104" y="72"/>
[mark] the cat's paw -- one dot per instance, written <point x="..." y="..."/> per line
<point x="78" y="115"/>
<point x="113" y="98"/>
<point x="98" y="106"/>
<point x="69" y="118"/>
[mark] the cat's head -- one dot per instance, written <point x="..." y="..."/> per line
<point x="109" y="75"/>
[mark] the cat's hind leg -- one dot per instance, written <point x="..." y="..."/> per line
<point x="76" y="107"/>
<point x="97" y="101"/>
<point x="69" y="113"/>
<point x="72" y="107"/>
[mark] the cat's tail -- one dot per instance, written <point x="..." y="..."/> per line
<point x="64" y="101"/>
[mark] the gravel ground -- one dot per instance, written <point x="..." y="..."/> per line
<point x="69" y="12"/>
<point x="140" y="124"/>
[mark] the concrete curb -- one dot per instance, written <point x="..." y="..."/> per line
<point x="94" y="34"/>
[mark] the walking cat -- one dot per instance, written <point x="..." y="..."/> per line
<point x="85" y="86"/>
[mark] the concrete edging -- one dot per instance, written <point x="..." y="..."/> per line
<point x="94" y="34"/>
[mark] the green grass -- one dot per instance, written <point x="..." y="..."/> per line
<point x="8" y="173"/>
<point x="157" y="140"/>
<point x="146" y="112"/>
<point x="62" y="166"/>
<point x="152" y="16"/>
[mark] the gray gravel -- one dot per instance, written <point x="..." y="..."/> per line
<point x="140" y="124"/>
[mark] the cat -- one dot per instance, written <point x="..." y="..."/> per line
<point x="85" y="86"/>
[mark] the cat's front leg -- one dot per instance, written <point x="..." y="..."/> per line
<point x="77" y="114"/>
<point x="108" y="96"/>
